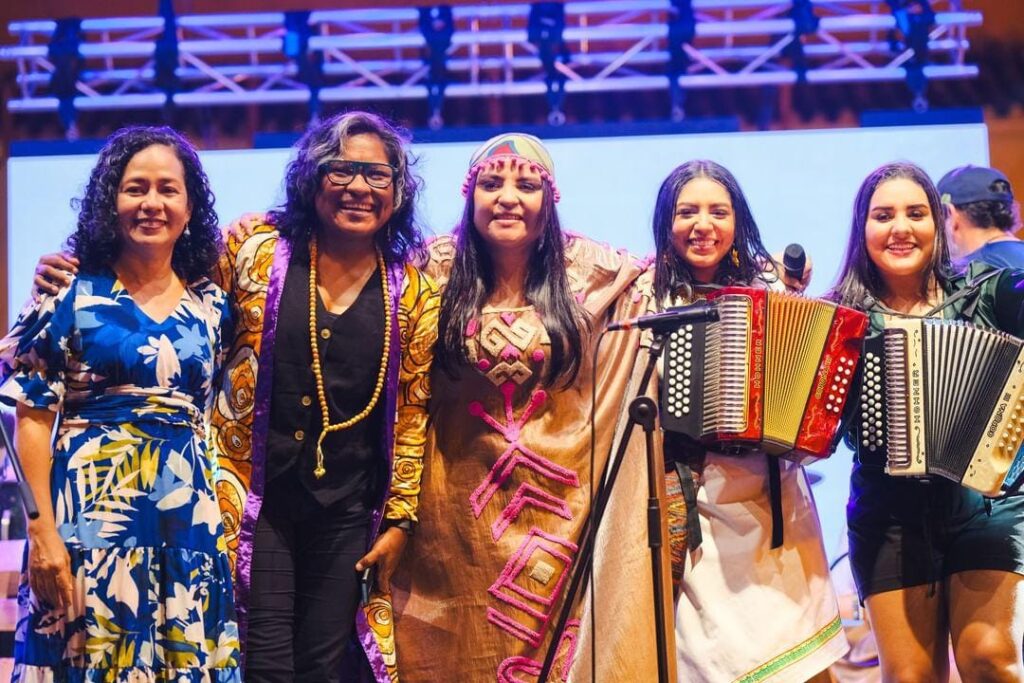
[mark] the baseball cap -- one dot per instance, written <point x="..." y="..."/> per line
<point x="968" y="184"/>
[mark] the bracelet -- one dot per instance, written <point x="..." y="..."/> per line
<point x="405" y="525"/>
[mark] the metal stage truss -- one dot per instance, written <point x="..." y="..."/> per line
<point x="481" y="51"/>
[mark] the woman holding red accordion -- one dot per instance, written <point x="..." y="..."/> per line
<point x="931" y="558"/>
<point x="740" y="576"/>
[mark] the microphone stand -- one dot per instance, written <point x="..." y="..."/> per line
<point x="642" y="411"/>
<point x="28" y="501"/>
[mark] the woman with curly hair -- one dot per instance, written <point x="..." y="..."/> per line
<point x="127" y="575"/>
<point x="320" y="424"/>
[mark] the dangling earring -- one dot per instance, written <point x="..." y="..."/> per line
<point x="187" y="232"/>
<point x="735" y="257"/>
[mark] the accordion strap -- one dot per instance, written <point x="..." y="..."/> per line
<point x="967" y="297"/>
<point x="969" y="294"/>
<point x="775" y="499"/>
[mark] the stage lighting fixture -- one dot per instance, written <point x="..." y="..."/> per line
<point x="682" y="29"/>
<point x="805" y="21"/>
<point x="437" y="26"/>
<point x="165" y="53"/>
<point x="310" y="65"/>
<point x="915" y="20"/>
<point x="545" y="27"/>
<point x="66" y="58"/>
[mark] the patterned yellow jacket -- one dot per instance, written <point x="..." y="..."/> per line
<point x="253" y="270"/>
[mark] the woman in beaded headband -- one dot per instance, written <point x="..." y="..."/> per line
<point x="508" y="459"/>
<point x="721" y="519"/>
<point x="510" y="245"/>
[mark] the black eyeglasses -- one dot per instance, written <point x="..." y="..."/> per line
<point x="342" y="172"/>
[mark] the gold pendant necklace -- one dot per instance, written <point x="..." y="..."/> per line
<point x="321" y="394"/>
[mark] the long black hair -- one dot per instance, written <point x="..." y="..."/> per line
<point x="401" y="239"/>
<point x="546" y="287"/>
<point x="96" y="240"/>
<point x="671" y="272"/>
<point x="859" y="282"/>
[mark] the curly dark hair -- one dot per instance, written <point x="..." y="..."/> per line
<point x="401" y="239"/>
<point x="671" y="273"/>
<point x="96" y="240"/>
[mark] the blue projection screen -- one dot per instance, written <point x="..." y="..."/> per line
<point x="800" y="185"/>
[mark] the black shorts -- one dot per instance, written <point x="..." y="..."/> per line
<point x="910" y="532"/>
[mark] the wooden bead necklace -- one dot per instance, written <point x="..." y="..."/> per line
<point x="321" y="394"/>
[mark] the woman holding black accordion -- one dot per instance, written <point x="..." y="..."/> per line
<point x="932" y="559"/>
<point x="750" y="605"/>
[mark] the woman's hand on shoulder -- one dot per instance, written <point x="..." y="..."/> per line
<point x="245" y="225"/>
<point x="54" y="272"/>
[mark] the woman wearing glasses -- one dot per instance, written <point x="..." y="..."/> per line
<point x="321" y="421"/>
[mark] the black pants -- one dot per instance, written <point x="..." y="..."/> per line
<point x="305" y="590"/>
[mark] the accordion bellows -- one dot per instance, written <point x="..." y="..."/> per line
<point x="773" y="373"/>
<point x="945" y="398"/>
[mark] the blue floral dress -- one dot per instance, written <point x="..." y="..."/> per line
<point x="131" y="483"/>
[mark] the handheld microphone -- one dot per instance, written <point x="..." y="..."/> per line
<point x="793" y="261"/>
<point x="671" y="319"/>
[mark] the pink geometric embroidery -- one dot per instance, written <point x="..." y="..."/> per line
<point x="516" y="371"/>
<point x="508" y="669"/>
<point x="510" y="353"/>
<point x="510" y="625"/>
<point x="471" y="327"/>
<point x="518" y="665"/>
<point x="528" y="494"/>
<point x="497" y="334"/>
<point x="508" y="590"/>
<point x="570" y="637"/>
<point x="516" y="454"/>
<point x="538" y="355"/>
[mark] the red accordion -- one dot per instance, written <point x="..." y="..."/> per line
<point x="774" y="373"/>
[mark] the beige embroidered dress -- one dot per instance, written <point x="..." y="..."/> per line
<point x="506" y="492"/>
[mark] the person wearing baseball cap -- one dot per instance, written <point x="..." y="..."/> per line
<point x="980" y="217"/>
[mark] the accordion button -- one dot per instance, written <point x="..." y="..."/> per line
<point x="846" y="381"/>
<point x="828" y="406"/>
<point x="686" y="410"/>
